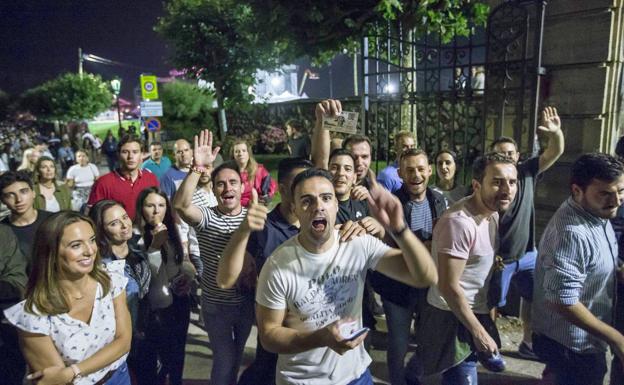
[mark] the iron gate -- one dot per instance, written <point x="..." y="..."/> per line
<point x="457" y="95"/>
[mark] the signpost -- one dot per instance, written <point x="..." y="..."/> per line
<point x="149" y="87"/>
<point x="152" y="124"/>
<point x="149" y="109"/>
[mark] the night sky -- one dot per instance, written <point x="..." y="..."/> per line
<point x="39" y="40"/>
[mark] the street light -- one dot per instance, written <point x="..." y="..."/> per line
<point x="116" y="86"/>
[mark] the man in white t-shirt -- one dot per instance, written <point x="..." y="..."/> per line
<point x="311" y="287"/>
<point x="464" y="243"/>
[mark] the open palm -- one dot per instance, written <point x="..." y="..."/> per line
<point x="550" y="120"/>
<point x="203" y="153"/>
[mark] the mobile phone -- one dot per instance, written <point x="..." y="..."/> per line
<point x="350" y="330"/>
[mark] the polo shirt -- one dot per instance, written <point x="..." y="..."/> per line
<point x="121" y="189"/>
<point x="276" y="231"/>
<point x="389" y="177"/>
<point x="158" y="169"/>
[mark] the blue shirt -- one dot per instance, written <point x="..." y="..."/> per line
<point x="172" y="179"/>
<point x="576" y="263"/>
<point x="389" y="177"/>
<point x="276" y="231"/>
<point x="158" y="169"/>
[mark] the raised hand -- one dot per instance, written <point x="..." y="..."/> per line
<point x="385" y="207"/>
<point x="350" y="230"/>
<point x="256" y="214"/>
<point x="359" y="193"/>
<point x="372" y="227"/>
<point x="550" y="121"/>
<point x="160" y="235"/>
<point x="327" y="107"/>
<point x="203" y="153"/>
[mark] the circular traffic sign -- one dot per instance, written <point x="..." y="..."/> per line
<point x="152" y="124"/>
<point x="149" y="86"/>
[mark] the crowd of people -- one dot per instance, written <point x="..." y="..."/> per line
<point x="98" y="274"/>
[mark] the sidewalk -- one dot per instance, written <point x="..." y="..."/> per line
<point x="519" y="371"/>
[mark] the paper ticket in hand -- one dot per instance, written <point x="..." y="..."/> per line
<point x="345" y="122"/>
<point x="350" y="330"/>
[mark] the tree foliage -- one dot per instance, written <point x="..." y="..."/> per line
<point x="215" y="40"/>
<point x="68" y="97"/>
<point x="322" y="28"/>
<point x="186" y="109"/>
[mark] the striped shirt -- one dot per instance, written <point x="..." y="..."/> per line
<point x="420" y="217"/>
<point x="576" y="263"/>
<point x="213" y="233"/>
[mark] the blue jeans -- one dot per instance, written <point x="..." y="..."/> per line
<point x="464" y="373"/>
<point x="228" y="327"/>
<point x="120" y="377"/>
<point x="569" y="367"/>
<point x="399" y="320"/>
<point x="523" y="271"/>
<point x="364" y="379"/>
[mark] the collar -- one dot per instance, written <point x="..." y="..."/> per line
<point x="120" y="175"/>
<point x="277" y="219"/>
<point x="591" y="218"/>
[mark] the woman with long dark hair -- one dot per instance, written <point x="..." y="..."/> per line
<point x="74" y="326"/>
<point x="172" y="274"/>
<point x="49" y="194"/>
<point x="446" y="177"/>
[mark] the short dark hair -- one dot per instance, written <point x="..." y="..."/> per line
<point x="296" y="124"/>
<point x="10" y="177"/>
<point x="129" y="138"/>
<point x="481" y="163"/>
<point x="230" y="165"/>
<point x="413" y="152"/>
<point x="341" y="152"/>
<point x="619" y="147"/>
<point x="595" y="165"/>
<point x="156" y="144"/>
<point x="287" y="165"/>
<point x="503" y="139"/>
<point x="310" y="173"/>
<point x="355" y="139"/>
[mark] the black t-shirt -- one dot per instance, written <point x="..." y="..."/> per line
<point x="517" y="226"/>
<point x="300" y="147"/>
<point x="26" y="234"/>
<point x="351" y="210"/>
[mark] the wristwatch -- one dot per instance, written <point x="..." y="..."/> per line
<point x="77" y="373"/>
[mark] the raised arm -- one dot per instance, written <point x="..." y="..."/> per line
<point x="320" y="135"/>
<point x="551" y="127"/>
<point x="203" y="156"/>
<point x="411" y="263"/>
<point x="235" y="252"/>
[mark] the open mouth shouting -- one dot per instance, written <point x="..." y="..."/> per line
<point x="319" y="224"/>
<point x="228" y="198"/>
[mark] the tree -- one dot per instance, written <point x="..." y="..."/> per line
<point x="322" y="28"/>
<point x="215" y="40"/>
<point x="68" y="97"/>
<point x="186" y="108"/>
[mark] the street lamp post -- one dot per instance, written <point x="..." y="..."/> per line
<point x="116" y="86"/>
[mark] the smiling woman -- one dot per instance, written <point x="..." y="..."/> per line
<point x="70" y="298"/>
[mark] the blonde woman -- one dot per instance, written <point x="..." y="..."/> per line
<point x="253" y="174"/>
<point x="29" y="160"/>
<point x="74" y="326"/>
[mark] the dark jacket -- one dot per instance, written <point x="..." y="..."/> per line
<point x="394" y="291"/>
<point x="12" y="270"/>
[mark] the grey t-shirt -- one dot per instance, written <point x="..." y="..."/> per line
<point x="517" y="225"/>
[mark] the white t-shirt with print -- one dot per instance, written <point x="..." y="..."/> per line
<point x="83" y="176"/>
<point x="462" y="235"/>
<point x="316" y="290"/>
<point x="74" y="339"/>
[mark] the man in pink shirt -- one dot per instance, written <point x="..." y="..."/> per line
<point x="464" y="243"/>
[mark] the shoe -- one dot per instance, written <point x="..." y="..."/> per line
<point x="494" y="363"/>
<point x="525" y="351"/>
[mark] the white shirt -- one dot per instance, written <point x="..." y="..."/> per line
<point x="83" y="176"/>
<point x="316" y="290"/>
<point x="76" y="340"/>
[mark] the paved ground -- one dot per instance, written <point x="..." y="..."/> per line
<point x="519" y="372"/>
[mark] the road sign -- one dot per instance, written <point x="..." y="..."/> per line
<point x="152" y="124"/>
<point x="151" y="109"/>
<point x="149" y="87"/>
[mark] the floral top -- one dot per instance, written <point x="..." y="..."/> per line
<point x="76" y="340"/>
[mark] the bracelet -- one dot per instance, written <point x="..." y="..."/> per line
<point x="198" y="170"/>
<point x="77" y="372"/>
<point x="397" y="234"/>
